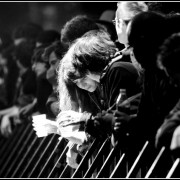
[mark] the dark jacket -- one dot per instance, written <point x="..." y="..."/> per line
<point x="159" y="96"/>
<point x="44" y="89"/>
<point x="118" y="74"/>
<point x="27" y="88"/>
<point x="166" y="130"/>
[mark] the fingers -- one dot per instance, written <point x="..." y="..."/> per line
<point x="119" y="113"/>
<point x="9" y="130"/>
<point x="117" y="126"/>
<point x="175" y="142"/>
<point x="5" y="126"/>
<point x="121" y="119"/>
<point x="6" y="131"/>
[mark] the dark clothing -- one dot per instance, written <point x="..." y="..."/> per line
<point x="53" y="98"/>
<point x="27" y="89"/>
<point x="158" y="97"/>
<point x="165" y="132"/>
<point x="116" y="75"/>
<point x="44" y="89"/>
<point x="119" y="75"/>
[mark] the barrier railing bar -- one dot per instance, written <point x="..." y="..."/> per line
<point x="95" y="163"/>
<point x="43" y="155"/>
<point x="173" y="168"/>
<point x="44" y="168"/>
<point x="63" y="155"/>
<point x="65" y="172"/>
<point x="155" y="162"/>
<point x="8" y="141"/>
<point x="138" y="159"/>
<point x="14" y="143"/>
<point x="117" y="165"/>
<point x="16" y="150"/>
<point x="18" y="168"/>
<point x="86" y="157"/>
<point x="108" y="160"/>
<point x="30" y="162"/>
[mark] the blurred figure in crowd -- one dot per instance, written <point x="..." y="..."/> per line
<point x="25" y="91"/>
<point x="168" y="60"/>
<point x="156" y="87"/>
<point x="53" y="54"/>
<point x="47" y="37"/>
<point x="28" y="31"/>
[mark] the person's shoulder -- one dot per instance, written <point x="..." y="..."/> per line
<point x="122" y="64"/>
<point x="123" y="67"/>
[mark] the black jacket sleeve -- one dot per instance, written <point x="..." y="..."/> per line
<point x="166" y="130"/>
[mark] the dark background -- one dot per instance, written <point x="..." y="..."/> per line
<point x="50" y="15"/>
<point x="53" y="15"/>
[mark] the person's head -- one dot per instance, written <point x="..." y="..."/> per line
<point x="126" y="10"/>
<point x="146" y="32"/>
<point x="47" y="37"/>
<point x="76" y="27"/>
<point x="168" y="58"/>
<point x="39" y="65"/>
<point x="86" y="59"/>
<point x="105" y="22"/>
<point x="23" y="54"/>
<point x="28" y="31"/>
<point x="53" y="54"/>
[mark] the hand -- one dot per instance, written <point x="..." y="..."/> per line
<point x="100" y="125"/>
<point x="54" y="108"/>
<point x="65" y="117"/>
<point x="120" y="120"/>
<point x="175" y="142"/>
<point x="6" y="129"/>
<point x="26" y="110"/>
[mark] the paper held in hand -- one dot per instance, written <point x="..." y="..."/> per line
<point x="43" y="126"/>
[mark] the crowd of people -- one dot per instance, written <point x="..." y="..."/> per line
<point x="74" y="77"/>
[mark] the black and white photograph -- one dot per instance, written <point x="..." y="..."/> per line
<point x="89" y="89"/>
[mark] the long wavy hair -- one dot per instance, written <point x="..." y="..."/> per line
<point x="92" y="52"/>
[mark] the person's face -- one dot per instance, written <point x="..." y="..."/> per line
<point x="121" y="21"/>
<point x="51" y="72"/>
<point x="39" y="68"/>
<point x="89" y="83"/>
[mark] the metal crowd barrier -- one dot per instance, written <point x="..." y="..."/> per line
<point x="23" y="155"/>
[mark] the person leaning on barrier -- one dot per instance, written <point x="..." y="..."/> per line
<point x="70" y="96"/>
<point x="168" y="60"/>
<point x="146" y="33"/>
<point x="88" y="64"/>
<point x="25" y="89"/>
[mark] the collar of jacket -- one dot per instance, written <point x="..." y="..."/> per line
<point x="118" y="55"/>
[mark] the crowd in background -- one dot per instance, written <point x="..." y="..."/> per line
<point x="74" y="76"/>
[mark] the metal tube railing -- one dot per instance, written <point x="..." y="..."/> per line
<point x="34" y="157"/>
